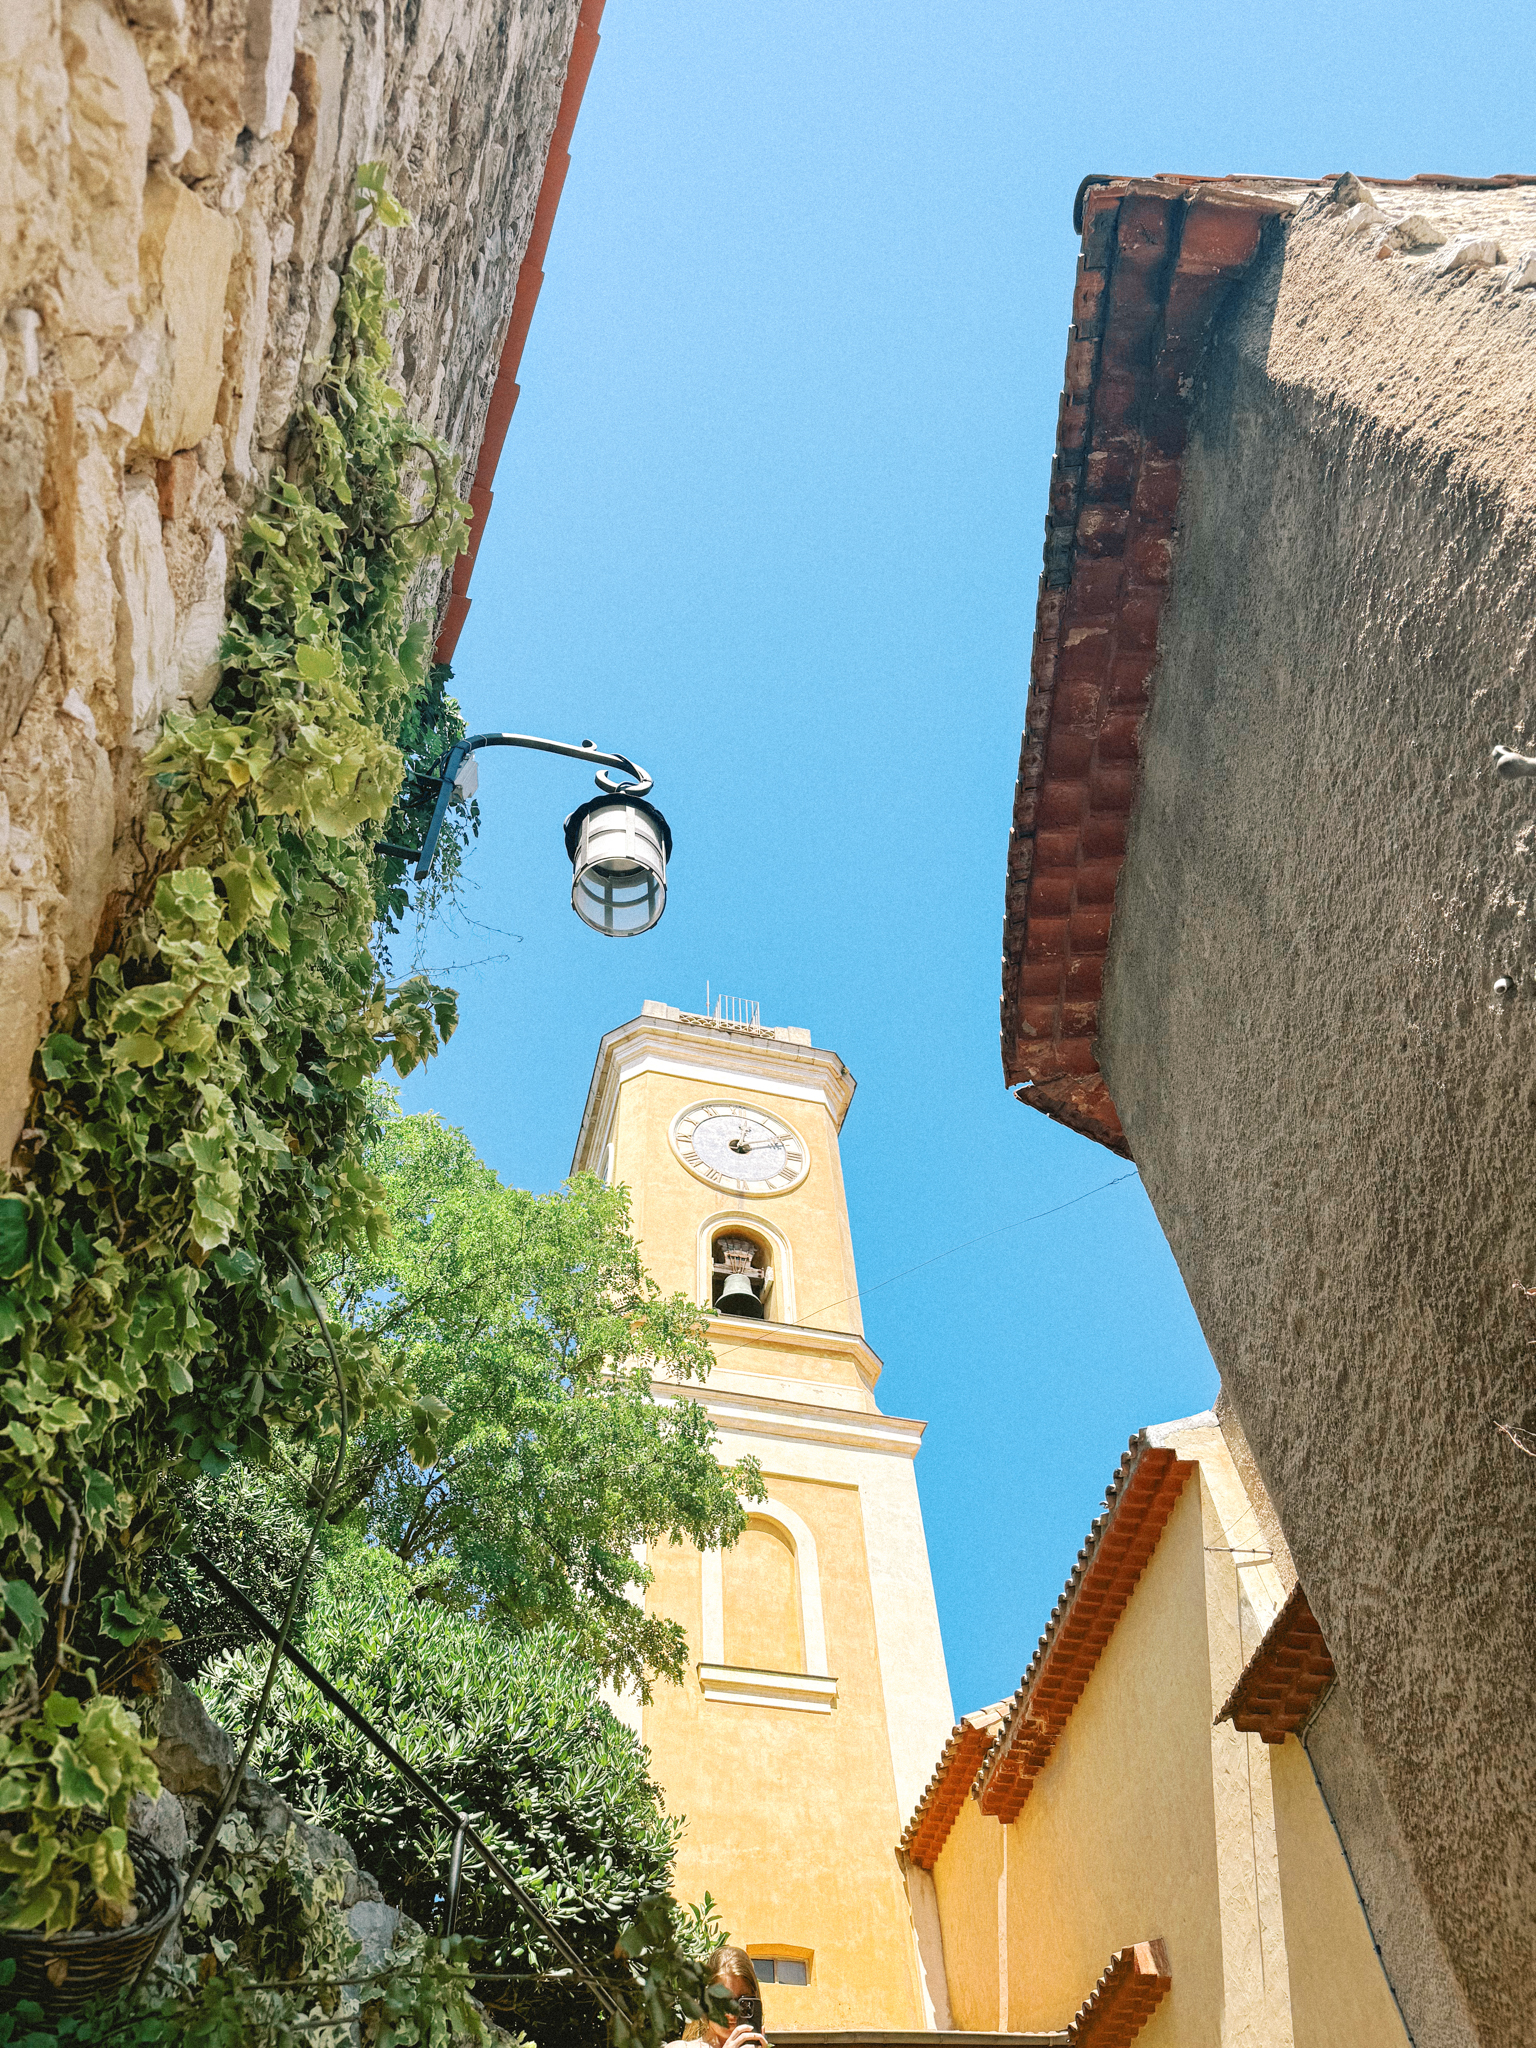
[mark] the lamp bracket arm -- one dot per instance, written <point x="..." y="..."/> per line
<point x="447" y="771"/>
<point x="639" y="786"/>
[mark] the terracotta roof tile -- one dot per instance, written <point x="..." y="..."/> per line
<point x="1134" y="1984"/>
<point x="943" y="1796"/>
<point x="1158" y="257"/>
<point x="1140" y="1499"/>
<point x="1284" y="1678"/>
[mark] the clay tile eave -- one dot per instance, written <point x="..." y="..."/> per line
<point x="1158" y="258"/>
<point x="1141" y="1496"/>
<point x="969" y="1740"/>
<point x="1285" y="1678"/>
<point x="1132" y="1986"/>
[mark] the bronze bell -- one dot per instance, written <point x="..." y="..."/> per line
<point x="737" y="1298"/>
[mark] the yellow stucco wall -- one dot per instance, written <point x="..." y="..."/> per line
<point x="792" y="1814"/>
<point x="1339" y="1996"/>
<point x="1117" y="1840"/>
<point x="792" y="1817"/>
<point x="761" y="1589"/>
<point x="1149" y="1820"/>
<point x="966" y="1878"/>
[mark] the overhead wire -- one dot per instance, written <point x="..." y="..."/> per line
<point x="906" y="1272"/>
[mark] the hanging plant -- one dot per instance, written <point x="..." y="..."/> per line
<point x="201" y="1110"/>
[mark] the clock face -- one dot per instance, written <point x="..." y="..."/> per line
<point x="750" y="1151"/>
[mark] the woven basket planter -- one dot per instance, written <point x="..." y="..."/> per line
<point x="63" y="1972"/>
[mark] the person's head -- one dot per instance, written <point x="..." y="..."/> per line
<point x="731" y="1967"/>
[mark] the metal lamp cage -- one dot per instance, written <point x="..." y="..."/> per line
<point x="619" y="847"/>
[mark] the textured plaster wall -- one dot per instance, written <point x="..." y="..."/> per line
<point x="968" y="1878"/>
<point x="176" y="183"/>
<point x="1139" y="1826"/>
<point x="1331" y="1108"/>
<point x="670" y="1204"/>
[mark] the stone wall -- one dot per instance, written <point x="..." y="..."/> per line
<point x="1330" y="1104"/>
<point x="194" y="1758"/>
<point x="176" y="208"/>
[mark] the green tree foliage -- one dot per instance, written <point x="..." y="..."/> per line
<point x="251" y="1522"/>
<point x="528" y="1324"/>
<point x="513" y="1732"/>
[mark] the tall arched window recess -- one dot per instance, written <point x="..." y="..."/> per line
<point x="766" y="1605"/>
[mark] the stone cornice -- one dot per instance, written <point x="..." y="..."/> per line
<point x="733" y="1333"/>
<point x="720" y="1057"/>
<point x="802" y="1692"/>
<point x="854" y="1429"/>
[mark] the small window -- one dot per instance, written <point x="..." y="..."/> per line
<point x="782" y="1970"/>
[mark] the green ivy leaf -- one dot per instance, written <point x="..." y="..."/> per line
<point x="15" y="1249"/>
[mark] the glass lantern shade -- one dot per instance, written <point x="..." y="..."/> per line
<point x="619" y="848"/>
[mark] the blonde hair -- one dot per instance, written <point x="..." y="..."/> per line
<point x="725" y="1961"/>
<point x="730" y="1961"/>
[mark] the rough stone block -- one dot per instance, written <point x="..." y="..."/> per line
<point x="34" y="161"/>
<point x="251" y="284"/>
<point x="193" y="1755"/>
<point x="270" y="29"/>
<point x="24" y="622"/>
<point x="201" y="629"/>
<point x="170" y="135"/>
<point x="174" y="478"/>
<point x="185" y="254"/>
<point x="83" y="852"/>
<point x="163" y="1821"/>
<point x="1418" y="231"/>
<point x="146" y="612"/>
<point x="372" y="1925"/>
<point x="1470" y="252"/>
<point x="111" y="112"/>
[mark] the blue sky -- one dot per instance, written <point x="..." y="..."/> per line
<point x="769" y="519"/>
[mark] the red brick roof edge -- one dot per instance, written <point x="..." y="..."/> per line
<point x="530" y="277"/>
<point x="1134" y="1984"/>
<point x="1120" y="1544"/>
<point x="1284" y="1678"/>
<point x="1159" y="257"/>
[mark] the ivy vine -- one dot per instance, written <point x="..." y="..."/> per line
<point x="201" y="1107"/>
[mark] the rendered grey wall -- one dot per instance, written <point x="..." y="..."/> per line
<point x="1332" y="1111"/>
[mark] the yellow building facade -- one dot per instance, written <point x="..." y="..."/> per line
<point x="1113" y="1802"/>
<point x="817" y="1692"/>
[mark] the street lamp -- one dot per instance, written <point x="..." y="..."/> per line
<point x="619" y="845"/>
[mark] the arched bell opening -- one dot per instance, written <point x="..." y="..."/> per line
<point x="740" y="1275"/>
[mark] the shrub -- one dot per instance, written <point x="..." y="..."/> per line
<point x="513" y="1732"/>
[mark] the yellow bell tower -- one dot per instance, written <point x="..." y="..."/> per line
<point x="817" y="1696"/>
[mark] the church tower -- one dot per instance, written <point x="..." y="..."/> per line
<point x="816" y="1697"/>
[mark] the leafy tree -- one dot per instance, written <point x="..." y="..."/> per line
<point x="251" y="1522"/>
<point x="528" y="1326"/>
<point x="513" y="1732"/>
